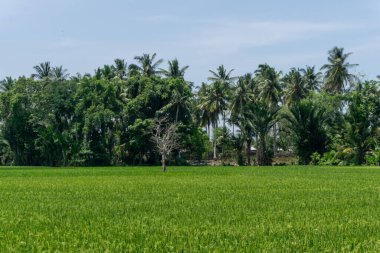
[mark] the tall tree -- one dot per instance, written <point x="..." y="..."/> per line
<point x="43" y="70"/>
<point x="311" y="78"/>
<point x="337" y="71"/>
<point x="213" y="103"/>
<point x="7" y="84"/>
<point x="179" y="103"/>
<point x="224" y="80"/>
<point x="222" y="75"/>
<point x="268" y="81"/>
<point x="174" y="70"/>
<point x="108" y="72"/>
<point x="59" y="73"/>
<point x="295" y="87"/>
<point x="147" y="64"/>
<point x="243" y="95"/>
<point x="120" y="68"/>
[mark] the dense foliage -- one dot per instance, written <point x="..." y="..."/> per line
<point x="52" y="118"/>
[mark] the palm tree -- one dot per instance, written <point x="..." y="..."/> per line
<point x="337" y="74"/>
<point x="268" y="80"/>
<point x="203" y="117"/>
<point x="295" y="84"/>
<point x="243" y="121"/>
<point x="213" y="103"/>
<point x="223" y="77"/>
<point x="311" y="78"/>
<point x="42" y="71"/>
<point x="147" y="64"/>
<point x="262" y="118"/>
<point x="59" y="73"/>
<point x="7" y="84"/>
<point x="180" y="99"/>
<point x="108" y="72"/>
<point x="307" y="123"/>
<point x="120" y="68"/>
<point x="242" y="94"/>
<point x="174" y="70"/>
<point x="98" y="74"/>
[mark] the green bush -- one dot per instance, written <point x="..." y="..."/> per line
<point x="315" y="158"/>
<point x="373" y="157"/>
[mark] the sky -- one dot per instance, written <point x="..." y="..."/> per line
<point x="82" y="35"/>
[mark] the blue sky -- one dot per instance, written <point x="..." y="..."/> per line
<point x="84" y="34"/>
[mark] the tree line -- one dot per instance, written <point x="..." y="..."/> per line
<point x="323" y="116"/>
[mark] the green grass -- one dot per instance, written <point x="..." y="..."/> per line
<point x="190" y="209"/>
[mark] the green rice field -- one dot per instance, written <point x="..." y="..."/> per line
<point x="190" y="209"/>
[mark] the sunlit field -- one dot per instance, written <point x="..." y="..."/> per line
<point x="190" y="209"/>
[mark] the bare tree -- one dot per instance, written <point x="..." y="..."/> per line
<point x="165" y="137"/>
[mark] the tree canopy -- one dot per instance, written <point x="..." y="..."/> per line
<point x="108" y="118"/>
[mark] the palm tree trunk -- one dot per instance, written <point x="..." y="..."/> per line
<point x="215" y="132"/>
<point x="209" y="131"/>
<point x="261" y="151"/>
<point x="275" y="138"/>
<point x="176" y="114"/>
<point x="248" y="151"/>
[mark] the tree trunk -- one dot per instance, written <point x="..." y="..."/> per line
<point x="274" y="138"/>
<point x="215" y="139"/>
<point x="176" y="114"/>
<point x="163" y="161"/>
<point x="248" y="151"/>
<point x="209" y="132"/>
<point x="261" y="151"/>
<point x="224" y="119"/>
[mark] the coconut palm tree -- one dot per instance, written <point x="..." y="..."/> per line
<point x="120" y="68"/>
<point x="243" y="121"/>
<point x="174" y="70"/>
<point x="180" y="100"/>
<point x="242" y="94"/>
<point x="337" y="75"/>
<point x="203" y="116"/>
<point x="213" y="103"/>
<point x="295" y="84"/>
<point x="223" y="77"/>
<point x="147" y="64"/>
<point x="268" y="81"/>
<point x="7" y="84"/>
<point x="108" y="72"/>
<point x="59" y="73"/>
<point x="43" y="70"/>
<point x="311" y="78"/>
